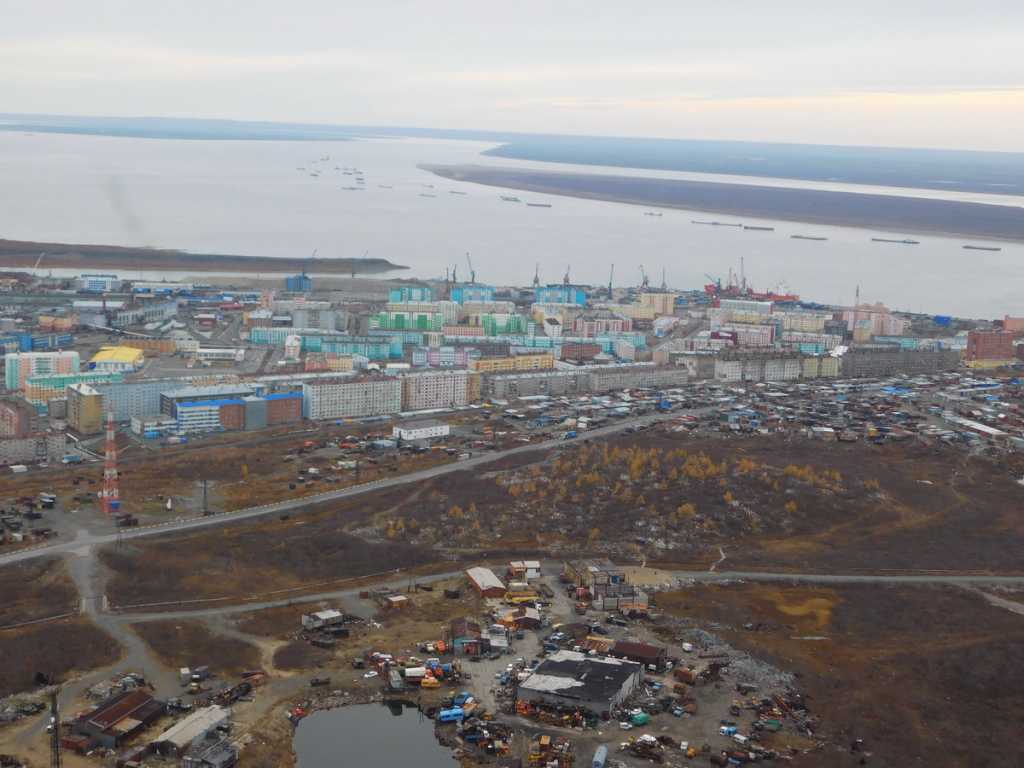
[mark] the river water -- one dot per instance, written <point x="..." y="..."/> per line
<point x="250" y="197"/>
<point x="369" y="736"/>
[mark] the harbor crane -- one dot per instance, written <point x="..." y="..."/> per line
<point x="664" y="285"/>
<point x="611" y="276"/>
<point x="645" y="283"/>
<point x="472" y="272"/>
<point x="565" y="280"/>
<point x="536" y="275"/>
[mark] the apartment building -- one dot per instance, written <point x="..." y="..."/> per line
<point x="20" y="366"/>
<point x="351" y="398"/>
<point x="436" y="389"/>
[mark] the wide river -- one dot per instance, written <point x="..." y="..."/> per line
<point x="250" y="197"/>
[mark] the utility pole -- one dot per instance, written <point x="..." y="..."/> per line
<point x="55" y="761"/>
<point x="206" y="508"/>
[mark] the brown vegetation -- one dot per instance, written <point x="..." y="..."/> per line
<point x="36" y="589"/>
<point x="928" y="675"/>
<point x="192" y="643"/>
<point x="53" y="650"/>
<point x="259" y="558"/>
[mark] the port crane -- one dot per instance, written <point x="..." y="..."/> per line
<point x="645" y="282"/>
<point x="611" y="276"/>
<point x="664" y="285"/>
<point x="472" y="272"/>
<point x="536" y="275"/>
<point x="565" y="280"/>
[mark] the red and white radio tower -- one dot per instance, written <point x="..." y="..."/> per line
<point x="111" y="493"/>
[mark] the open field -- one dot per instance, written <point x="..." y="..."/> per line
<point x="191" y="643"/>
<point x="258" y="558"/>
<point x="924" y="675"/>
<point x="769" y="502"/>
<point x="36" y="589"/>
<point x="54" y="650"/>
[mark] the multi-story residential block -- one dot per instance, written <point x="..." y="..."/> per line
<point x="351" y="398"/>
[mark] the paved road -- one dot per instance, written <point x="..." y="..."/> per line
<point x="86" y="539"/>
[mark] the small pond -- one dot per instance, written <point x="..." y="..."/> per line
<point x="369" y="736"/>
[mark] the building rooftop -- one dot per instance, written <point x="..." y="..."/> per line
<point x="212" y="392"/>
<point x="134" y="705"/>
<point x="484" y="578"/>
<point x="117" y="355"/>
<point x="184" y="732"/>
<point x="578" y="676"/>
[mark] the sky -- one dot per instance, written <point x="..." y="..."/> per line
<point x="920" y="73"/>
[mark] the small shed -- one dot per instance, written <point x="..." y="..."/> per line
<point x="485" y="582"/>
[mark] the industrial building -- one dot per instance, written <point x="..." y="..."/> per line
<point x="574" y="680"/>
<point x="301" y="283"/>
<point x="560" y="294"/>
<point x="485" y="582"/>
<point x="177" y="739"/>
<point x="421" y="430"/>
<point x="351" y="398"/>
<point x="170" y="399"/>
<point x="117" y="360"/>
<point x="84" y="409"/>
<point x="118" y="718"/>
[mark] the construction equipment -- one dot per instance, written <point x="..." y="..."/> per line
<point x="565" y="280"/>
<point x="645" y="283"/>
<point x="611" y="276"/>
<point x="536" y="275"/>
<point x="664" y="284"/>
<point x="472" y="272"/>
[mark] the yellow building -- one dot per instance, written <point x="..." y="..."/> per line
<point x="663" y="303"/>
<point x="117" y="359"/>
<point x="533" y="361"/>
<point x="85" y="409"/>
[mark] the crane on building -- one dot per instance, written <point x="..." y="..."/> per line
<point x="611" y="276"/>
<point x="472" y="272"/>
<point x="645" y="283"/>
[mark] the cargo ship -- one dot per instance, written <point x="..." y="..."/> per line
<point x="807" y="237"/>
<point x="759" y="229"/>
<point x="510" y="199"/>
<point x="539" y="205"/>
<point x="890" y="240"/>
<point x="983" y="248"/>
<point x="715" y="223"/>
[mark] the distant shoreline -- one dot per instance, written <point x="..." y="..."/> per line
<point x="24" y="254"/>
<point x="886" y="213"/>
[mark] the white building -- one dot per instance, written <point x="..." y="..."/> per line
<point x="322" y="619"/>
<point x="220" y="355"/>
<point x="98" y="283"/>
<point x="421" y="430"/>
<point x="341" y="399"/>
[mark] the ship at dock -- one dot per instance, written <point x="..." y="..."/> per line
<point x="758" y="229"/>
<point x="905" y="241"/>
<point x="982" y="248"/>
<point x="807" y="237"/>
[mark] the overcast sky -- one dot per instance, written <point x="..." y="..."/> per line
<point x="944" y="73"/>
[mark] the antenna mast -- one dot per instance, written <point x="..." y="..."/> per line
<point x="111" y="491"/>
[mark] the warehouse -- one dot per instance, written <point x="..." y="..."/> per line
<point x="426" y="429"/>
<point x="485" y="582"/>
<point x="575" y="680"/>
<point x="118" y="718"/>
<point x="642" y="653"/>
<point x="180" y="736"/>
